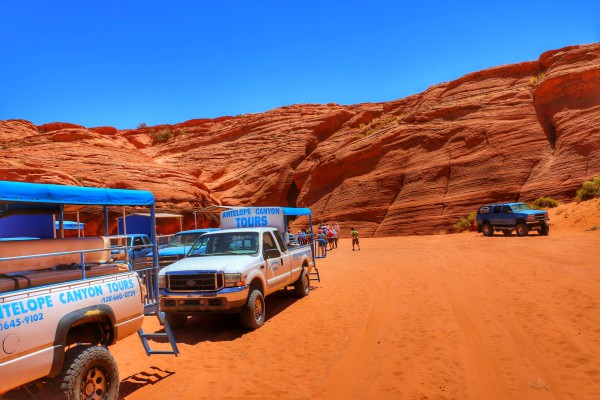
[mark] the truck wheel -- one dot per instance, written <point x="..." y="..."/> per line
<point x="487" y="229"/>
<point x="522" y="230"/>
<point x="302" y="285"/>
<point x="176" y="321"/>
<point x="544" y="229"/>
<point x="253" y="313"/>
<point x="89" y="372"/>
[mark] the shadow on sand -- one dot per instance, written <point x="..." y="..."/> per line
<point x="137" y="381"/>
<point x="213" y="328"/>
<point x="49" y="390"/>
<point x="226" y="327"/>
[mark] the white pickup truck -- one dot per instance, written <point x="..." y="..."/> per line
<point x="56" y="324"/>
<point x="233" y="270"/>
<point x="64" y="300"/>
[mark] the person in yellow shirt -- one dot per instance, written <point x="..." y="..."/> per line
<point x="354" y="234"/>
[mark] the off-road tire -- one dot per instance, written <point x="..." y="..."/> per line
<point x="522" y="230"/>
<point x="252" y="315"/>
<point x="302" y="285"/>
<point x="176" y="321"/>
<point x="89" y="373"/>
<point x="544" y="229"/>
<point x="487" y="229"/>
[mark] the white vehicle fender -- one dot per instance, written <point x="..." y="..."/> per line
<point x="257" y="272"/>
<point x="306" y="259"/>
<point x="308" y="262"/>
<point x="87" y="314"/>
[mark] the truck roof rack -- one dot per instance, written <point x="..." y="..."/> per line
<point x="26" y="197"/>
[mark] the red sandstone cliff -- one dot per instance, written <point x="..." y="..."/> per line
<point x="415" y="165"/>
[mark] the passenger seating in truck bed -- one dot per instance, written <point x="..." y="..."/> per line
<point x="47" y="269"/>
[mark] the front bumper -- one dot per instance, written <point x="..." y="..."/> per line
<point x="537" y="222"/>
<point x="224" y="301"/>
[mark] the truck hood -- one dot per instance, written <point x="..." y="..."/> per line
<point x="172" y="251"/>
<point x="532" y="212"/>
<point x="231" y="264"/>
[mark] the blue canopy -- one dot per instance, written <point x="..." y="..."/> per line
<point x="295" y="211"/>
<point x="24" y="192"/>
<point x="28" y="225"/>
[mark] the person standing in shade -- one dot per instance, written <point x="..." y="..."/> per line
<point x="354" y="234"/>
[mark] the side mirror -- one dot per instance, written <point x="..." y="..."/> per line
<point x="271" y="253"/>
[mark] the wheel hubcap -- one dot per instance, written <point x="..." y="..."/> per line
<point x="94" y="385"/>
<point x="258" y="310"/>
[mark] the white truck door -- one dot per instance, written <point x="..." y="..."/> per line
<point x="277" y="272"/>
<point x="286" y="258"/>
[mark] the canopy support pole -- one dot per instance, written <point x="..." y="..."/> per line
<point x="106" y="231"/>
<point x="61" y="223"/>
<point x="125" y="222"/>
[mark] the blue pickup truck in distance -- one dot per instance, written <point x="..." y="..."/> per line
<point x="178" y="246"/>
<point x="134" y="247"/>
<point x="506" y="217"/>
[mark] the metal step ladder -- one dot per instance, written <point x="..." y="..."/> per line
<point x="315" y="272"/>
<point x="168" y="334"/>
<point x="319" y="249"/>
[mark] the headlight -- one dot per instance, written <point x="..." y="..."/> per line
<point x="234" y="280"/>
<point x="531" y="217"/>
<point x="162" y="281"/>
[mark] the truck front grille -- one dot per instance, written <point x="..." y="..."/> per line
<point x="195" y="282"/>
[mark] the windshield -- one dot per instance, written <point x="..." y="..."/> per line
<point x="184" y="239"/>
<point x="225" y="244"/>
<point x="520" y="207"/>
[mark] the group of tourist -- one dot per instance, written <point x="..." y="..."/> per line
<point x="302" y="238"/>
<point x="327" y="237"/>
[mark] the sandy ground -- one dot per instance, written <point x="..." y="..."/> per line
<point x="433" y="317"/>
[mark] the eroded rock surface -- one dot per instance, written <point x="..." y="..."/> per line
<point x="410" y="166"/>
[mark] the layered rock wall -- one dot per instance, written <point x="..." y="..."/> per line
<point x="410" y="166"/>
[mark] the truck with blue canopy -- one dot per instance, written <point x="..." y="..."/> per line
<point x="233" y="269"/>
<point x="64" y="300"/>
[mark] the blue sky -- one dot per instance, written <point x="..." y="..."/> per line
<point x="121" y="63"/>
